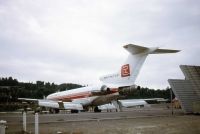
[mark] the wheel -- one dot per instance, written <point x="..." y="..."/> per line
<point x="38" y="110"/>
<point x="74" y="111"/>
<point x="54" y="111"/>
<point x="96" y="109"/>
<point x="51" y="111"/>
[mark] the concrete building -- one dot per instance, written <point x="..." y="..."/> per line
<point x="188" y="90"/>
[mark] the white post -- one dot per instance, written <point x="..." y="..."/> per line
<point x="36" y="124"/>
<point x="24" y="121"/>
<point x="2" y="126"/>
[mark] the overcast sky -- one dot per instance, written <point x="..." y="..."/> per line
<point x="78" y="41"/>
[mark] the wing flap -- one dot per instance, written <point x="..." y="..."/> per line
<point x="133" y="102"/>
<point x="74" y="106"/>
<point x="47" y="103"/>
<point x="61" y="105"/>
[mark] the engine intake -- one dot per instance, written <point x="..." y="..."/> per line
<point x="104" y="88"/>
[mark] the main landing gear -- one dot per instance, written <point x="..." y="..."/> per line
<point x="74" y="111"/>
<point x="96" y="109"/>
<point x="54" y="110"/>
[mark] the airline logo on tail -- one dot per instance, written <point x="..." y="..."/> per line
<point x="125" y="70"/>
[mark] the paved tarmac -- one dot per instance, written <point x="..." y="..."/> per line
<point x="16" y="118"/>
<point x="88" y="122"/>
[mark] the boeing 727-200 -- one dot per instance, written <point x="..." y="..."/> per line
<point x="123" y="81"/>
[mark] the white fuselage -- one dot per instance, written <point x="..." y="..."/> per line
<point x="83" y="95"/>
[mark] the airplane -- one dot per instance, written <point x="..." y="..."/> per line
<point x="113" y="88"/>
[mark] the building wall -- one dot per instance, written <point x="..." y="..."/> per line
<point x="188" y="90"/>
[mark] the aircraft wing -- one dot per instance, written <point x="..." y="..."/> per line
<point x="155" y="100"/>
<point x="54" y="104"/>
<point x="141" y="102"/>
<point x="123" y="103"/>
<point x="133" y="102"/>
<point x="128" y="103"/>
<point x="28" y="99"/>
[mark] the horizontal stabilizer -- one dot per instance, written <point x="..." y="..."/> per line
<point x="135" y="49"/>
<point x="162" y="51"/>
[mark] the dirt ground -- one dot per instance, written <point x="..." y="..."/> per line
<point x="184" y="124"/>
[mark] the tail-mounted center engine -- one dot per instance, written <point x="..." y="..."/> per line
<point x="128" y="90"/>
<point x="105" y="89"/>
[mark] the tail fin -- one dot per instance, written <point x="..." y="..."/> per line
<point x="129" y="71"/>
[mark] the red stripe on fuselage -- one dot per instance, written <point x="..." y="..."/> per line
<point x="78" y="95"/>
